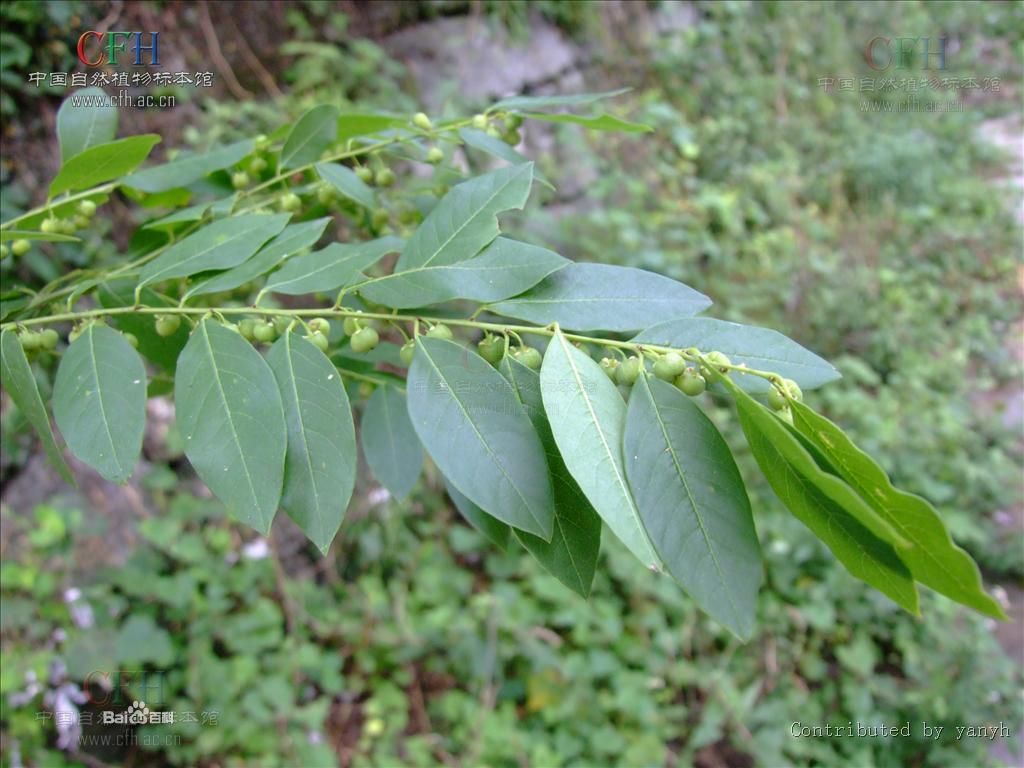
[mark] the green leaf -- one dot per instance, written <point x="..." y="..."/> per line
<point x="591" y="297"/>
<point x="760" y="348"/>
<point x="497" y="148"/>
<point x="103" y="163"/>
<point x="320" y="464"/>
<point x="596" y="123"/>
<point x="492" y="529"/>
<point x="49" y="237"/>
<point x="465" y="219"/>
<point x="571" y="555"/>
<point x="477" y="432"/>
<point x="99" y="401"/>
<point x="85" y="125"/>
<point x="588" y="420"/>
<point x="292" y="239"/>
<point x="220" y="245"/>
<point x="161" y="350"/>
<point x="21" y="385"/>
<point x="329" y="268"/>
<point x="347" y="183"/>
<point x="231" y="416"/>
<point x="823" y="503"/>
<point x="390" y="445"/>
<point x="310" y="136"/>
<point x="504" y="268"/>
<point x="693" y="503"/>
<point x="185" y="170"/>
<point x="353" y="124"/>
<point x="934" y="559"/>
<point x="184" y="216"/>
<point x="565" y="100"/>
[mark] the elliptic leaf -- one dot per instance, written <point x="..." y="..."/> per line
<point x="934" y="559"/>
<point x="390" y="445"/>
<point x="320" y="464"/>
<point x="230" y="413"/>
<point x="85" y="124"/>
<point x="504" y="268"/>
<point x="329" y="268"/>
<point x="596" y="123"/>
<point x="477" y="432"/>
<point x="310" y="136"/>
<point x="103" y="162"/>
<point x="99" y="401"/>
<point x="465" y="219"/>
<point x="347" y="183"/>
<point x="588" y="419"/>
<point x="21" y="386"/>
<point x="183" y="171"/>
<point x="693" y="503"/>
<point x="564" y="100"/>
<point x="760" y="348"/>
<point x="590" y="297"/>
<point x="497" y="148"/>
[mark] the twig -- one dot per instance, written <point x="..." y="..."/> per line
<point x="210" y="34"/>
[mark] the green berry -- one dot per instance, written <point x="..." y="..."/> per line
<point x="493" y="132"/>
<point x="435" y="155"/>
<point x="246" y="326"/>
<point x="669" y="366"/>
<point x="529" y="357"/>
<point x="513" y="121"/>
<point x="380" y="218"/>
<point x="512" y="138"/>
<point x="351" y="325"/>
<point x="776" y="400"/>
<point x="794" y="390"/>
<point x="629" y="371"/>
<point x="480" y="122"/>
<point x="407" y="351"/>
<point x="290" y="202"/>
<point x="67" y="226"/>
<point x="261" y="142"/>
<point x="87" y="208"/>
<point x="281" y="323"/>
<point x="49" y="226"/>
<point x="365" y="174"/>
<point x="319" y="340"/>
<point x="240" y="180"/>
<point x="420" y="120"/>
<point x="167" y="325"/>
<point x="385" y="177"/>
<point x="81" y="222"/>
<point x="325" y="194"/>
<point x="491" y="348"/>
<point x="441" y="331"/>
<point x="691" y="383"/>
<point x="48" y="339"/>
<point x="30" y="340"/>
<point x="321" y="324"/>
<point x="265" y="332"/>
<point x="718" y="360"/>
<point x="257" y="166"/>
<point x="132" y="339"/>
<point x="20" y="247"/>
<point x="610" y="365"/>
<point x="364" y="340"/>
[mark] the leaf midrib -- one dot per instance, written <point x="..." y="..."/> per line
<point x="302" y="431"/>
<point x="99" y="397"/>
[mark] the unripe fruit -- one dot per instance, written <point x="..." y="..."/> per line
<point x="420" y="120"/>
<point x="132" y="339"/>
<point x="513" y="121"/>
<point x="265" y="332"/>
<point x="440" y="331"/>
<point x="321" y="324"/>
<point x="364" y="340"/>
<point x="717" y="359"/>
<point x="49" y="226"/>
<point x="67" y="226"/>
<point x="325" y="194"/>
<point x="77" y="331"/>
<point x="365" y="174"/>
<point x="407" y="351"/>
<point x="480" y="122"/>
<point x="492" y="348"/>
<point x="669" y="366"/>
<point x="81" y="222"/>
<point x="48" y="339"/>
<point x="290" y="202"/>
<point x="691" y="383"/>
<point x="493" y="132"/>
<point x="240" y="180"/>
<point x="281" y="323"/>
<point x="794" y="389"/>
<point x="380" y="218"/>
<point x="529" y="357"/>
<point x="435" y="155"/>
<point x="20" y="247"/>
<point x="246" y="327"/>
<point x="610" y="365"/>
<point x="512" y="138"/>
<point x="257" y="165"/>
<point x="628" y="371"/>
<point x="385" y="177"/>
<point x="167" y="325"/>
<point x="30" y="340"/>
<point x="351" y="325"/>
<point x="319" y="340"/>
<point x="87" y="207"/>
<point x="776" y="400"/>
<point x="261" y="142"/>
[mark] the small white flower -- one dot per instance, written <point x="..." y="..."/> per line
<point x="257" y="549"/>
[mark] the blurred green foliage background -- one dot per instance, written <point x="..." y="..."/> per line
<point x="881" y="241"/>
